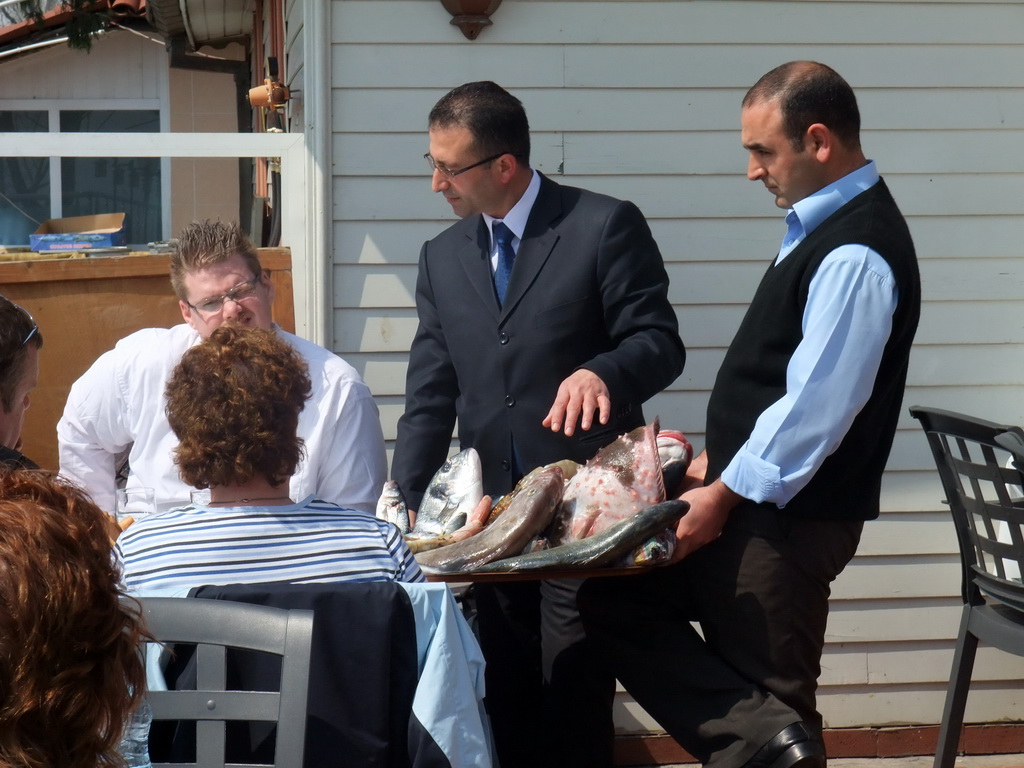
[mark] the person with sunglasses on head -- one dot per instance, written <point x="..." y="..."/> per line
<point x="118" y="405"/>
<point x="20" y="342"/>
<point x="544" y="325"/>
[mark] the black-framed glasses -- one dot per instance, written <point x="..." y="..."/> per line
<point x="239" y="293"/>
<point x="448" y="173"/>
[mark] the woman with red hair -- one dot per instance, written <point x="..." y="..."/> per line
<point x="70" y="668"/>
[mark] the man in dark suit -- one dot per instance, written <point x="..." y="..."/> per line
<point x="544" y="324"/>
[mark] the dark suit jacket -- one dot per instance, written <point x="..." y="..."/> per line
<point x="588" y="290"/>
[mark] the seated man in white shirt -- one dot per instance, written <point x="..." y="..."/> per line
<point x="118" y="404"/>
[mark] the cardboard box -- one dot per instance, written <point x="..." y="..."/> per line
<point x="77" y="233"/>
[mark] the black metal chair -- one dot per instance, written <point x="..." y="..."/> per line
<point x="214" y="627"/>
<point x="981" y="465"/>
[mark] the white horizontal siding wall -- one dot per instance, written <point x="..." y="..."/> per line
<point x="641" y="100"/>
<point x="295" y="59"/>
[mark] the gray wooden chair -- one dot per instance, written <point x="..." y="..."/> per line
<point x="981" y="466"/>
<point x="214" y="626"/>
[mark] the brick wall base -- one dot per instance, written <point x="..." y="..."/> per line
<point x="903" y="741"/>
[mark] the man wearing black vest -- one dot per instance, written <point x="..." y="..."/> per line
<point x="799" y="427"/>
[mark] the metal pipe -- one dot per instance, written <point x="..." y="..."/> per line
<point x="23" y="48"/>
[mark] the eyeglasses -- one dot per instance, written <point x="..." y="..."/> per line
<point x="448" y="173"/>
<point x="238" y="294"/>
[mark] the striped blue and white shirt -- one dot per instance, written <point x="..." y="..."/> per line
<point x="312" y="541"/>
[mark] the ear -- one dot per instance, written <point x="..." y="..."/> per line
<point x="508" y="166"/>
<point x="819" y="140"/>
<point x="186" y="314"/>
<point x="265" y="280"/>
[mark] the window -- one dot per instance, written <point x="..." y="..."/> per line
<point x="24" y="182"/>
<point x="33" y="189"/>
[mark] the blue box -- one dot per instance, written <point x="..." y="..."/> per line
<point x="79" y="233"/>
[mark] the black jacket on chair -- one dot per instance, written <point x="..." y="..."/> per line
<point x="363" y="674"/>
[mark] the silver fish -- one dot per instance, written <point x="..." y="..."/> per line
<point x="623" y="478"/>
<point x="451" y="496"/>
<point x="600" y="549"/>
<point x="474" y="524"/>
<point x="391" y="506"/>
<point x="529" y="512"/>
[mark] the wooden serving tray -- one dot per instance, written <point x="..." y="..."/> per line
<point x="539" y="574"/>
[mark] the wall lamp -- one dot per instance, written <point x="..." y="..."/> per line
<point x="471" y="16"/>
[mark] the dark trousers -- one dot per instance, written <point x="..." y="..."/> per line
<point x="760" y="595"/>
<point x="549" y="700"/>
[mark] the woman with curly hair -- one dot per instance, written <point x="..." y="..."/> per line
<point x="70" y="669"/>
<point x="234" y="402"/>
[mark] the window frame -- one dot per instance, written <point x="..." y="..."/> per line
<point x="53" y="108"/>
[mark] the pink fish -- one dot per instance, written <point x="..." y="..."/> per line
<point x="623" y="478"/>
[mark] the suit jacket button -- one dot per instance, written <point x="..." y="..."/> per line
<point x="505" y="465"/>
<point x="503" y="338"/>
<point x="509" y="400"/>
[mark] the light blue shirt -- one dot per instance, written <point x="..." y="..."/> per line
<point x="846" y="324"/>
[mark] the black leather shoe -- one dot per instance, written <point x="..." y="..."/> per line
<point x="793" y="747"/>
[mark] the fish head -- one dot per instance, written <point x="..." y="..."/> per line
<point x="541" y="493"/>
<point x="673" y="446"/>
<point x="391" y="506"/>
<point x="453" y="492"/>
<point x="675" y="453"/>
<point x="390" y="498"/>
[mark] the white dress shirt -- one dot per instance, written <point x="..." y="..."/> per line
<point x="118" y="405"/>
<point x="515" y="219"/>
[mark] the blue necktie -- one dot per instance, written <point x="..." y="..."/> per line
<point x="506" y="257"/>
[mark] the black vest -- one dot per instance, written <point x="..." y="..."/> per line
<point x="753" y="374"/>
